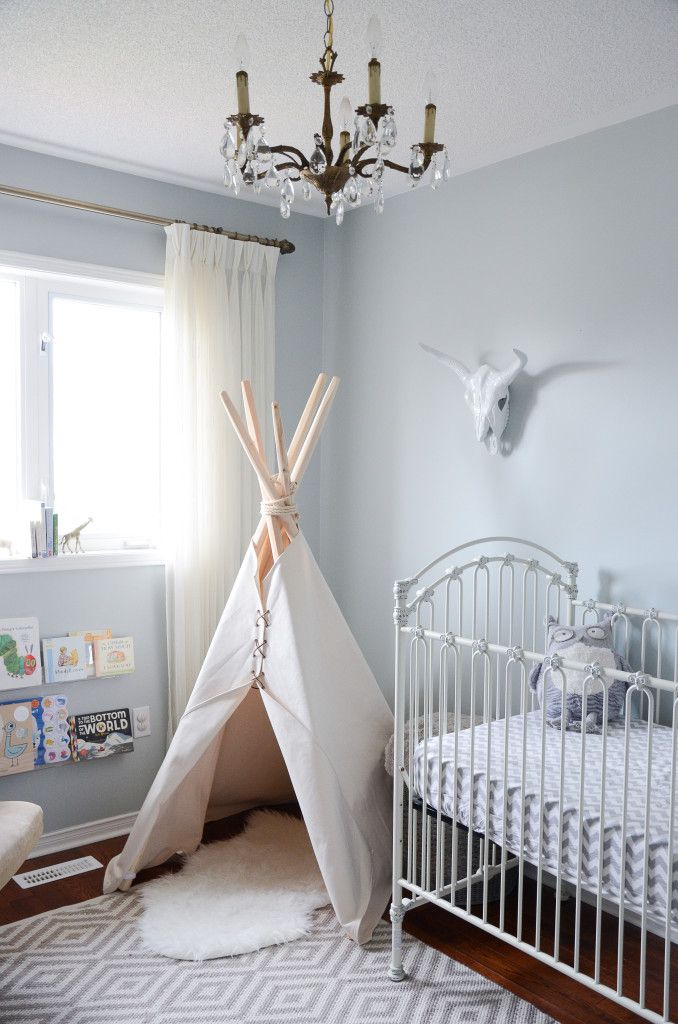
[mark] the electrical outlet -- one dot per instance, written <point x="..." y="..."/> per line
<point x="141" y="722"/>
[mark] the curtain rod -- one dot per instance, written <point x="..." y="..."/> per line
<point x="283" y="244"/>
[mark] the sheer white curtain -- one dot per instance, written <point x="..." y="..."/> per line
<point x="218" y="328"/>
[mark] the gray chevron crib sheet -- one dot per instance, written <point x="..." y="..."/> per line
<point x="434" y="790"/>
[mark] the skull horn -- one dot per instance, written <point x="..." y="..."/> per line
<point x="461" y="371"/>
<point x="508" y="375"/>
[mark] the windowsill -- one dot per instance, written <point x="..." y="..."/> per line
<point x="86" y="560"/>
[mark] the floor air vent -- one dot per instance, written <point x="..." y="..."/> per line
<point x="54" y="872"/>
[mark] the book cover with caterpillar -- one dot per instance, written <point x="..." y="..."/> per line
<point x="19" y="653"/>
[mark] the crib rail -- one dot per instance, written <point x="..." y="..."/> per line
<point x="491" y="796"/>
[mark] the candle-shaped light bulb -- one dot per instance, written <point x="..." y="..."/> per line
<point x="241" y="53"/>
<point x="431" y="88"/>
<point x="345" y="114"/>
<point x="241" y="59"/>
<point x="373" y="40"/>
<point x="373" y="37"/>
<point x="345" y="120"/>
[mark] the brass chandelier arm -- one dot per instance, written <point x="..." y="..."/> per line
<point x="404" y="170"/>
<point x="362" y="165"/>
<point x="343" y="152"/>
<point x="429" y="149"/>
<point x="261" y="175"/>
<point x="284" y="167"/>
<point x="290" y="151"/>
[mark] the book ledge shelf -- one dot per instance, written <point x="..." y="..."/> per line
<point x="85" y="560"/>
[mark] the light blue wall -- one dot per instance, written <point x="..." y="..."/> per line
<point x="132" y="600"/>
<point x="569" y="253"/>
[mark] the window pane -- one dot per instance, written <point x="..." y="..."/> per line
<point x="106" y="429"/>
<point x="10" y="530"/>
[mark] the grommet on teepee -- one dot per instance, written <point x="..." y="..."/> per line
<point x="285" y="705"/>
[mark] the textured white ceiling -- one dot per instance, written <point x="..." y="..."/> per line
<point x="144" y="85"/>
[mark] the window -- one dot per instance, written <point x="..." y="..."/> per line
<point x="80" y="421"/>
<point x="10" y="406"/>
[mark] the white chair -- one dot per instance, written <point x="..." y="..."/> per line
<point x="20" y="829"/>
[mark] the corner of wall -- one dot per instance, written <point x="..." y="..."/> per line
<point x="324" y="350"/>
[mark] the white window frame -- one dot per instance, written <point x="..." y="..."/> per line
<point x="40" y="279"/>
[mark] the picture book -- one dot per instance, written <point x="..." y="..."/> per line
<point x="89" y="636"/>
<point x="114" y="657"/>
<point x="33" y="733"/>
<point x="52" y="729"/>
<point x="101" y="734"/>
<point x="19" y="653"/>
<point x="17" y="740"/>
<point x="65" y="659"/>
<point x="48" y="516"/>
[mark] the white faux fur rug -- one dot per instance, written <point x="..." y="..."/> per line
<point x="257" y="889"/>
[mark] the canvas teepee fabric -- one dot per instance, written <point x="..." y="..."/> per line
<point x="285" y="705"/>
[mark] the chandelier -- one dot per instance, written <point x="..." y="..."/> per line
<point x="357" y="169"/>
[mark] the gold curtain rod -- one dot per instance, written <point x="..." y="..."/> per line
<point x="144" y="218"/>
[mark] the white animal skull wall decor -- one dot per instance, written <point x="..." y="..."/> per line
<point x="486" y="392"/>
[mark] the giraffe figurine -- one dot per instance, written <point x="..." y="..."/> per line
<point x="74" y="535"/>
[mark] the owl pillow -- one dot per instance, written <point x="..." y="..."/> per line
<point x="586" y="644"/>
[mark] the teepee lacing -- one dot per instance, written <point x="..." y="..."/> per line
<point x="262" y="623"/>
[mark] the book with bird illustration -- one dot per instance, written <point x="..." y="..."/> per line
<point x="33" y="733"/>
<point x="17" y="738"/>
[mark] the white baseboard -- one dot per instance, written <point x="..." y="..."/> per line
<point x="81" y="835"/>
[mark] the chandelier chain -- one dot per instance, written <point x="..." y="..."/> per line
<point x="329" y="12"/>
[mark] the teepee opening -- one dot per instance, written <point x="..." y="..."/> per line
<point x="250" y="770"/>
<point x="285" y="706"/>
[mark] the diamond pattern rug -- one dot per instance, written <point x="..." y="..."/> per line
<point x="86" y="964"/>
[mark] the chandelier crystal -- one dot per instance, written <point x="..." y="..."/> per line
<point x="366" y="138"/>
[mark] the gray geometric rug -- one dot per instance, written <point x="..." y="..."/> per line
<point x="86" y="965"/>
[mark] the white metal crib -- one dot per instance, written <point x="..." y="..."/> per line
<point x="586" y="816"/>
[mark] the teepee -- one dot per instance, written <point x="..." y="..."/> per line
<point x="284" y="706"/>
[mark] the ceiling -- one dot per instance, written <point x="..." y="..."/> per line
<point x="144" y="85"/>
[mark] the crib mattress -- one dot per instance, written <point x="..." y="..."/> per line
<point x="437" y="789"/>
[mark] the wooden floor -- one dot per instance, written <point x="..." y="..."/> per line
<point x="549" y="990"/>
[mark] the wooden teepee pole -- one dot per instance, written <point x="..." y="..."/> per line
<point x="292" y="462"/>
<point x="284" y="481"/>
<point x="306" y="417"/>
<point x="300" y="464"/>
<point x="252" y="420"/>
